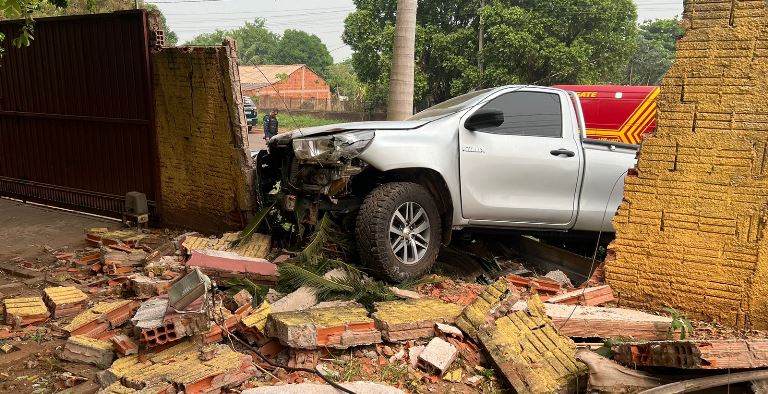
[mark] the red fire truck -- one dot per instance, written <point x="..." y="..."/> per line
<point x="617" y="113"/>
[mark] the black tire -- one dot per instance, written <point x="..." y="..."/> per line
<point x="372" y="231"/>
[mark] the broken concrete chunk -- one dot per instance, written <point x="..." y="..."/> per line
<point x="496" y="298"/>
<point x="21" y="312"/>
<point x="449" y="330"/>
<point x="65" y="301"/>
<point x="591" y="296"/>
<point x="528" y="351"/>
<point x="413" y="355"/>
<point x="304" y="388"/>
<point x="412" y="319"/>
<point x="698" y="354"/>
<point x="243" y="297"/>
<point x="405" y="294"/>
<point x="101" y="317"/>
<point x="254" y="324"/>
<point x="559" y="277"/>
<point x="226" y="265"/>
<point x="184" y="366"/>
<point x="337" y="328"/>
<point x="82" y="349"/>
<point x="145" y="287"/>
<point x="124" y="345"/>
<point x="438" y="355"/>
<point x="593" y="321"/>
<point x="150" y="313"/>
<point x="257" y="245"/>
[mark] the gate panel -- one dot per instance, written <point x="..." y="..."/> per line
<point x="76" y="113"/>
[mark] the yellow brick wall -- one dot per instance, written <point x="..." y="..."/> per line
<point x="691" y="229"/>
<point x="205" y="167"/>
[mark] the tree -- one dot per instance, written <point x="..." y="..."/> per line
<point x="343" y="81"/>
<point x="654" y="53"/>
<point x="171" y="39"/>
<point x="255" y="42"/>
<point x="298" y="47"/>
<point x="25" y="9"/>
<point x="525" y="41"/>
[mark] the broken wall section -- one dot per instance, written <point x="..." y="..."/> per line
<point x="205" y="165"/>
<point x="690" y="233"/>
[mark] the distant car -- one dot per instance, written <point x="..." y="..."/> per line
<point x="251" y="115"/>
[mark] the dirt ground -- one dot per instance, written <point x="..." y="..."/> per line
<point x="27" y="229"/>
<point x="29" y="232"/>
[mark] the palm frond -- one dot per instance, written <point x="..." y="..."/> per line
<point x="246" y="234"/>
<point x="293" y="276"/>
<point x="237" y="284"/>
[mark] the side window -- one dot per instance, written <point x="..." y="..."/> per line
<point x="530" y="114"/>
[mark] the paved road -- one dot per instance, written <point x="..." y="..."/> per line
<point x="256" y="141"/>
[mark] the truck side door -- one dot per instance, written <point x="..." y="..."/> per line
<point x="525" y="172"/>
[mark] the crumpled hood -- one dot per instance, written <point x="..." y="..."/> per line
<point x="282" y="139"/>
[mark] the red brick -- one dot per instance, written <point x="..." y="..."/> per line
<point x="124" y="345"/>
<point x="228" y="262"/>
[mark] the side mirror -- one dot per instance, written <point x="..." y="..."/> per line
<point x="485" y="118"/>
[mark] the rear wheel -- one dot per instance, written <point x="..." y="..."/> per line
<point x="398" y="231"/>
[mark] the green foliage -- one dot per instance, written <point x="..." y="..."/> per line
<point x="343" y="81"/>
<point x="526" y="41"/>
<point x="255" y="42"/>
<point x="298" y="47"/>
<point x="654" y="53"/>
<point x="295" y="122"/>
<point x="352" y="286"/>
<point x="680" y="323"/>
<point x="256" y="221"/>
<point x="258" y="45"/>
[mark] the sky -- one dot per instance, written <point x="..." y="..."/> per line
<point x="324" y="18"/>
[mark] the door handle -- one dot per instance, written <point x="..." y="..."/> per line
<point x="562" y="153"/>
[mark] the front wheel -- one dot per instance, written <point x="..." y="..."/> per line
<point x="398" y="231"/>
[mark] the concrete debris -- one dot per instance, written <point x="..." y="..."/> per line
<point x="175" y="326"/>
<point x="449" y="330"/>
<point x="253" y="326"/>
<point x="560" y="277"/>
<point x="124" y="345"/>
<point x="412" y="319"/>
<point x="590" y="296"/>
<point x="184" y="367"/>
<point x="118" y="263"/>
<point x="592" y="321"/>
<point x="20" y="312"/>
<point x="101" y="317"/>
<point x="438" y="355"/>
<point x="697" y="354"/>
<point x="65" y="301"/>
<point x="105" y="237"/>
<point x="405" y="294"/>
<point x="82" y="349"/>
<point x="496" y="300"/>
<point x="606" y="376"/>
<point x="304" y="388"/>
<point x="544" y="287"/>
<point x="145" y="287"/>
<point x="413" y="355"/>
<point x="151" y="313"/>
<point x="243" y="297"/>
<point x="337" y="328"/>
<point x="228" y="265"/>
<point x="257" y="246"/>
<point x="300" y="358"/>
<point x="528" y="351"/>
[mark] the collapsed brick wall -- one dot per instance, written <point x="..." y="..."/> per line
<point x="691" y="230"/>
<point x="205" y="166"/>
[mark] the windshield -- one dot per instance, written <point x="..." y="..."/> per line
<point x="453" y="105"/>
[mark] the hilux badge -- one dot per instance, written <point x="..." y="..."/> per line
<point x="473" y="149"/>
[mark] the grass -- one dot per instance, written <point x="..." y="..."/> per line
<point x="294" y="122"/>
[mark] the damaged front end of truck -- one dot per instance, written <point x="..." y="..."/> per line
<point x="320" y="172"/>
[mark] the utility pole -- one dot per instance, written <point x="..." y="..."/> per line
<point x="400" y="102"/>
<point x="480" y="40"/>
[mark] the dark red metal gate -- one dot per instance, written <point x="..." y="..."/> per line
<point x="76" y="113"/>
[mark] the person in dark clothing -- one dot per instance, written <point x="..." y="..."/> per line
<point x="270" y="125"/>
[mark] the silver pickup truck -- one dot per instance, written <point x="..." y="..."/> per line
<point x="512" y="157"/>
